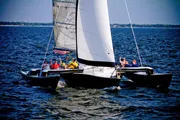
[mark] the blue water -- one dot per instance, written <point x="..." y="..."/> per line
<point x="24" y="48"/>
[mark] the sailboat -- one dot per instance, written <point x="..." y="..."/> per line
<point x="94" y="49"/>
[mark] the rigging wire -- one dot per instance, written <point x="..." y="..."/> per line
<point x="133" y="32"/>
<point x="48" y="46"/>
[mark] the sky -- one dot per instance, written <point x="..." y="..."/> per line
<point x="141" y="11"/>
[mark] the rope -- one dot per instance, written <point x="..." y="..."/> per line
<point x="133" y="32"/>
<point x="47" y="46"/>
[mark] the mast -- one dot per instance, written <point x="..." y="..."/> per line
<point x="77" y="2"/>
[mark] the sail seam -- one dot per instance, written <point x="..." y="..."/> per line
<point x="63" y="23"/>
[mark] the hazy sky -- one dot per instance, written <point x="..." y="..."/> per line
<point x="141" y="11"/>
<point x="145" y="11"/>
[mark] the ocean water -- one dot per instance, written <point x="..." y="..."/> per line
<point x="24" y="48"/>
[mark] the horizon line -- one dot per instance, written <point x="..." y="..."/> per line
<point x="110" y="23"/>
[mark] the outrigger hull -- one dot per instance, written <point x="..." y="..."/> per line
<point x="162" y="80"/>
<point x="45" y="81"/>
<point x="89" y="81"/>
<point x="52" y="78"/>
<point x="145" y="76"/>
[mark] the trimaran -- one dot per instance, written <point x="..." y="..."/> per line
<point x="83" y="26"/>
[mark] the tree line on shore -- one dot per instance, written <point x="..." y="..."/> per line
<point x="143" y="25"/>
<point x="26" y="23"/>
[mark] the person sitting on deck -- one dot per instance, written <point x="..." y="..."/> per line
<point x="122" y="62"/>
<point x="65" y="63"/>
<point x="68" y="60"/>
<point x="127" y="64"/>
<point x="56" y="65"/>
<point x="45" y="66"/>
<point x="134" y="63"/>
<point x="73" y="64"/>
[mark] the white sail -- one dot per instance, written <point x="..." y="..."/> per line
<point x="94" y="42"/>
<point x="64" y="24"/>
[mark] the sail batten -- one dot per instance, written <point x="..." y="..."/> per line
<point x="94" y="42"/>
<point x="64" y="23"/>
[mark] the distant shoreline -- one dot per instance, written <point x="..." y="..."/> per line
<point x="144" y="26"/>
<point x="115" y="25"/>
<point x="25" y="26"/>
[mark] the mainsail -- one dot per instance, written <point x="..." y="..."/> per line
<point x="94" y="42"/>
<point x="64" y="24"/>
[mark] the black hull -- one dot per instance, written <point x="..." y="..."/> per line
<point x="48" y="81"/>
<point x="89" y="81"/>
<point x="152" y="80"/>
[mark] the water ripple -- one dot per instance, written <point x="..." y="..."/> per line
<point x="24" y="47"/>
